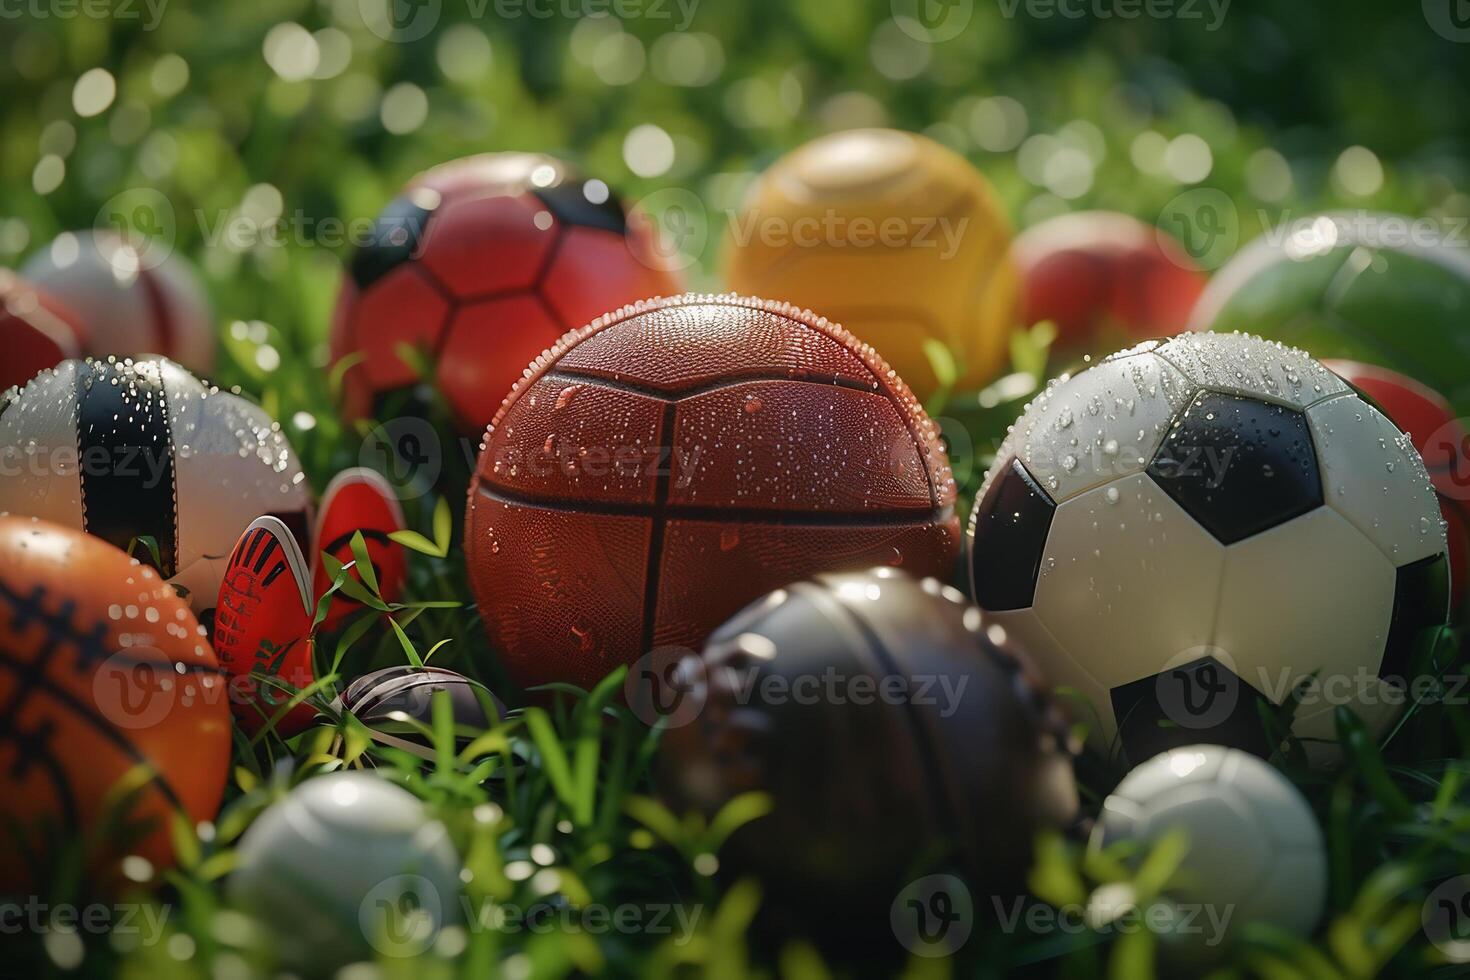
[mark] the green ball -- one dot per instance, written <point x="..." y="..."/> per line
<point x="1381" y="288"/>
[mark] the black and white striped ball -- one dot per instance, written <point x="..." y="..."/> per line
<point x="124" y="449"/>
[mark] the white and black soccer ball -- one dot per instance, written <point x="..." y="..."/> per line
<point x="1190" y="528"/>
<point x="346" y="867"/>
<point x="123" y="449"/>
<point x="1255" y="852"/>
<point x="132" y="301"/>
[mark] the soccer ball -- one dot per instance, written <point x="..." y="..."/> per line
<point x="1255" y="851"/>
<point x="124" y="449"/>
<point x="1440" y="438"/>
<point x="1361" y="287"/>
<point x="1190" y="528"/>
<point x="481" y="265"/>
<point x="891" y="234"/>
<point x="129" y="301"/>
<point x="1104" y="279"/>
<point x="346" y="867"/>
<point x="36" y="331"/>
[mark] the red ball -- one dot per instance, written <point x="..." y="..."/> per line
<point x="481" y="264"/>
<point x="1106" y="280"/>
<point x="1441" y="439"/>
<point x="664" y="466"/>
<point x="36" y="331"/>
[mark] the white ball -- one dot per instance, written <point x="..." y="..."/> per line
<point x="1255" y="852"/>
<point x="346" y="867"/>
<point x="132" y="303"/>
<point x="127" y="448"/>
<point x="1188" y="529"/>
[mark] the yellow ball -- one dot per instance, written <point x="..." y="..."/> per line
<point x="892" y="235"/>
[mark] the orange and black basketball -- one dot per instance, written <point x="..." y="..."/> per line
<point x="657" y="470"/>
<point x="108" y="690"/>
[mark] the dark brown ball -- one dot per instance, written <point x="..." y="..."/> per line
<point x="393" y="703"/>
<point x="896" y="731"/>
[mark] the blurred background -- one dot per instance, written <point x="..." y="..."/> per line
<point x="273" y="130"/>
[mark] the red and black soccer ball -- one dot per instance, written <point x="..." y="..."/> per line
<point x="481" y="264"/>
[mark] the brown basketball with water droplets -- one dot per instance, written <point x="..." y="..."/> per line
<point x="660" y="468"/>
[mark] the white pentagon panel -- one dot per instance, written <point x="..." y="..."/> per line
<point x="1129" y="580"/>
<point x="1373" y="476"/>
<point x="1240" y="364"/>
<point x="1061" y="670"/>
<point x="39" y="465"/>
<point x="1103" y="424"/>
<point x="1312" y="594"/>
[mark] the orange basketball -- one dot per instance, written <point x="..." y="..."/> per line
<point x="104" y="673"/>
<point x="657" y="470"/>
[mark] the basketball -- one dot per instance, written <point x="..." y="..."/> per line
<point x="104" y="674"/>
<point x="660" y="468"/>
<point x="894" y="235"/>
